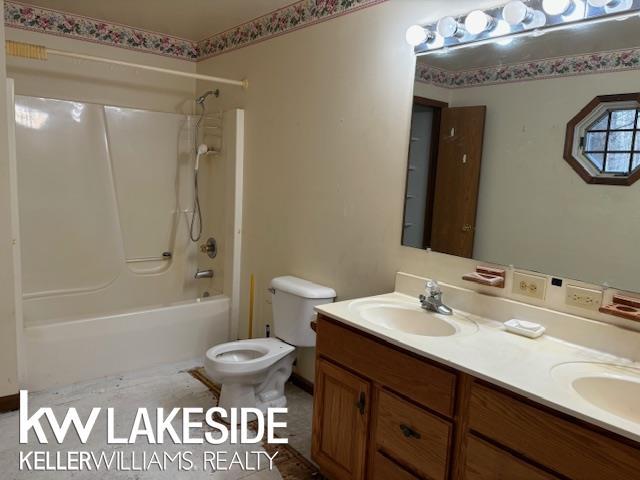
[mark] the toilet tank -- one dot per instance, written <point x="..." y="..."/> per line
<point x="293" y="301"/>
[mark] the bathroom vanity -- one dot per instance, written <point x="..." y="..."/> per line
<point x="395" y="402"/>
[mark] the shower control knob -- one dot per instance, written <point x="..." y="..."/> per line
<point x="210" y="247"/>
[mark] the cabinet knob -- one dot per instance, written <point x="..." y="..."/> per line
<point x="409" y="432"/>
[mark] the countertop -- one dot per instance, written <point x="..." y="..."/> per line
<point x="521" y="365"/>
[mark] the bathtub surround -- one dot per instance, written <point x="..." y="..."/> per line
<point x="130" y="307"/>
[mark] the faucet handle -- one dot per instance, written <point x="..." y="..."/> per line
<point x="432" y="288"/>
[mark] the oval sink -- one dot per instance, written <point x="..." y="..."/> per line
<point x="615" y="395"/>
<point x="406" y="318"/>
<point x="612" y="388"/>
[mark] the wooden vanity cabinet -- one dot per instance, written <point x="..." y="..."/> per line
<point x="340" y="422"/>
<point x="383" y="413"/>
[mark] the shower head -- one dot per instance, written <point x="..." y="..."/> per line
<point x="200" y="100"/>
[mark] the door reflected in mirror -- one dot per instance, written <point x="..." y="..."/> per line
<point x="443" y="174"/>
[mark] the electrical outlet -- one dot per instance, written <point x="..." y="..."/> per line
<point x="583" y="297"/>
<point x="532" y="286"/>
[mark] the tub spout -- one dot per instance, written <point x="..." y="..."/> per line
<point x="203" y="274"/>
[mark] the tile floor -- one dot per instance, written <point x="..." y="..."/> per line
<point x="168" y="387"/>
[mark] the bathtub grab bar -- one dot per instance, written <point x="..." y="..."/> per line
<point x="165" y="256"/>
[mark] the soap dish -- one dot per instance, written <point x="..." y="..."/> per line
<point x="524" y="328"/>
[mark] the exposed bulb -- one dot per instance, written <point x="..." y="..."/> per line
<point x="449" y="27"/>
<point x="517" y="12"/>
<point x="478" y="22"/>
<point x="416" y="35"/>
<point x="556" y="7"/>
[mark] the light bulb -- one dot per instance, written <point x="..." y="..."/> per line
<point x="516" y="13"/>
<point x="556" y="7"/>
<point x="478" y="22"/>
<point x="611" y="6"/>
<point x="449" y="27"/>
<point x="416" y="35"/>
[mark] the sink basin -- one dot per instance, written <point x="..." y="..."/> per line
<point x="407" y="318"/>
<point x="612" y="388"/>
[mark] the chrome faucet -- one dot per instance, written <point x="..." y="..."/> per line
<point x="432" y="301"/>
<point x="203" y="274"/>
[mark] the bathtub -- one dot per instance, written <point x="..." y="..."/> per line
<point x="73" y="351"/>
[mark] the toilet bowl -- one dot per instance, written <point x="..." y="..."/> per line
<point x="253" y="372"/>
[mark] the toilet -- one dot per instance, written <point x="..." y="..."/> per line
<point x="253" y="372"/>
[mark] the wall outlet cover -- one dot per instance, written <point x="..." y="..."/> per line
<point x="527" y="285"/>
<point x="580" y="297"/>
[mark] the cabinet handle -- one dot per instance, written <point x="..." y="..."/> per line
<point x="408" y="431"/>
<point x="361" y="403"/>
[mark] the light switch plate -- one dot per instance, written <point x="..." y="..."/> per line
<point x="586" y="298"/>
<point x="532" y="286"/>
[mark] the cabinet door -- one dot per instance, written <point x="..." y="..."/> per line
<point x="340" y="419"/>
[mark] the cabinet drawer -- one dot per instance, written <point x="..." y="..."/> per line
<point x="486" y="462"/>
<point x="414" y="378"/>
<point x="412" y="436"/>
<point x="556" y="442"/>
<point x="385" y="469"/>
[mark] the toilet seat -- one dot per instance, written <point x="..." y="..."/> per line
<point x="245" y="357"/>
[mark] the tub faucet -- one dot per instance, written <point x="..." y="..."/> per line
<point x="432" y="301"/>
<point x="203" y="274"/>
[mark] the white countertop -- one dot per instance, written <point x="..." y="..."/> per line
<point x="516" y="363"/>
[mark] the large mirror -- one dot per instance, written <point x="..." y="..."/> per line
<point x="523" y="152"/>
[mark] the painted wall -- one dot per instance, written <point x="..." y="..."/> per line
<point x="8" y="343"/>
<point x="327" y="125"/>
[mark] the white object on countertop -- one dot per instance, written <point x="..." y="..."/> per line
<point x="524" y="328"/>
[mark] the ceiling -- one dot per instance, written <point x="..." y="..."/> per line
<point x="581" y="39"/>
<point x="189" y="19"/>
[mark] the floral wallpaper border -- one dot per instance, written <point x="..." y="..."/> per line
<point x="610" y="61"/>
<point x="287" y="19"/>
<point x="284" y="20"/>
<point x="44" y="20"/>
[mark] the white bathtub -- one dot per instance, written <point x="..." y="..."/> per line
<point x="73" y="351"/>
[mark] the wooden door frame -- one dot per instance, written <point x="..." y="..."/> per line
<point x="437" y="106"/>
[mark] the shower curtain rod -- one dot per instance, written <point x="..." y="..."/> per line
<point x="40" y="52"/>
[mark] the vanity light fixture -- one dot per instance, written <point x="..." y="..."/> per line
<point x="558" y="7"/>
<point x="515" y="19"/>
<point x="478" y="22"/>
<point x="517" y="12"/>
<point x="449" y="27"/>
<point x="417" y="35"/>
